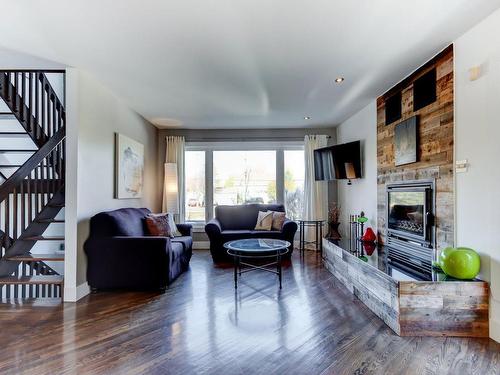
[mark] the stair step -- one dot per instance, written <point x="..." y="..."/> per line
<point x="17" y="151"/>
<point x="14" y="134"/>
<point x="43" y="238"/>
<point x="49" y="221"/>
<point x="10" y="166"/>
<point x="37" y="257"/>
<point x="29" y="303"/>
<point x="7" y="116"/>
<point x="36" y="279"/>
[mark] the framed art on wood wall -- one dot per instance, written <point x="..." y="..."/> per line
<point x="406" y="141"/>
<point x="129" y="167"/>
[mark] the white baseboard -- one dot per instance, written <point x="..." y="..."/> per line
<point x="201" y="245"/>
<point x="72" y="294"/>
<point x="495" y="330"/>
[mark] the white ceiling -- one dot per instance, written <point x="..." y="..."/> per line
<point x="240" y="63"/>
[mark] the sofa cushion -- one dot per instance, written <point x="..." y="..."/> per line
<point x="121" y="222"/>
<point x="173" y="226"/>
<point x="264" y="220"/>
<point x="186" y="241"/>
<point x="177" y="250"/>
<point x="157" y="225"/>
<point x="278" y="220"/>
<point x="242" y="216"/>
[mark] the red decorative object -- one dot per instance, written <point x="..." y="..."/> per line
<point x="369" y="235"/>
<point x="369" y="247"/>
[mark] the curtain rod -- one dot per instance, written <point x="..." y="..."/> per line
<point x="246" y="139"/>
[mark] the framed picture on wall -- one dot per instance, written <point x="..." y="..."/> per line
<point x="129" y="167"/>
<point x="406" y="141"/>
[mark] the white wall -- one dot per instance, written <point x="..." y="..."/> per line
<point x="477" y="132"/>
<point x="362" y="194"/>
<point x="94" y="115"/>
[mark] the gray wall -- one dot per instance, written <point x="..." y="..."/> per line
<point x="96" y="114"/>
<point x="240" y="135"/>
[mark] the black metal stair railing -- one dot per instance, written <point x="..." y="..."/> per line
<point x="34" y="193"/>
<point x="34" y="102"/>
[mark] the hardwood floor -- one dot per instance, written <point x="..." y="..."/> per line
<point x="202" y="326"/>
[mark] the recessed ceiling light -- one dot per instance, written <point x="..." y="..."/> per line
<point x="339" y="79"/>
<point x="307" y="118"/>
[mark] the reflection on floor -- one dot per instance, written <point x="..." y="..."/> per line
<point x="202" y="325"/>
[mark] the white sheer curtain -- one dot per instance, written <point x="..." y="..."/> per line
<point x="174" y="153"/>
<point x="315" y="192"/>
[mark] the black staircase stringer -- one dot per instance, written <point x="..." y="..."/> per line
<point x="35" y="228"/>
<point x="19" y="176"/>
<point x="21" y="111"/>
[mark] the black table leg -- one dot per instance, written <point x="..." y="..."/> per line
<point x="316" y="236"/>
<point x="300" y="238"/>
<point x="279" y="266"/>
<point x="236" y="272"/>
<point x="321" y="239"/>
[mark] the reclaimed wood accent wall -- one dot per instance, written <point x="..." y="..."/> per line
<point x="453" y="308"/>
<point x="435" y="149"/>
<point x="378" y="291"/>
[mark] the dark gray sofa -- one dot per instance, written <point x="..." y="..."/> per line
<point x="238" y="222"/>
<point x="120" y="253"/>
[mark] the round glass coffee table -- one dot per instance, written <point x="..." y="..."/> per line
<point x="256" y="248"/>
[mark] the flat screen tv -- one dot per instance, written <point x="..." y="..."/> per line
<point x="339" y="162"/>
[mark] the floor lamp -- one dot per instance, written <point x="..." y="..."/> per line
<point x="171" y="189"/>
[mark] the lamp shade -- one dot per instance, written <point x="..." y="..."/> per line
<point x="171" y="188"/>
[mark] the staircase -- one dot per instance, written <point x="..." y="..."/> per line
<point x="32" y="171"/>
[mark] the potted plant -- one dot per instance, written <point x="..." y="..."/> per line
<point x="333" y="222"/>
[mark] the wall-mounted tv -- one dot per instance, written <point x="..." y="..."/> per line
<point x="339" y="162"/>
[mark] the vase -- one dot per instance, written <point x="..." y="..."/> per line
<point x="333" y="231"/>
<point x="369" y="235"/>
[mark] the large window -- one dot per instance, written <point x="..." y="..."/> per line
<point x="241" y="173"/>
<point x="294" y="183"/>
<point x="244" y="177"/>
<point x="195" y="185"/>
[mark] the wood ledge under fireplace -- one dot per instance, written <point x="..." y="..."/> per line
<point x="413" y="308"/>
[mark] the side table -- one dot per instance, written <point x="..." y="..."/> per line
<point x="318" y="229"/>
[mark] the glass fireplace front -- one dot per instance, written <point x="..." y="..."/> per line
<point x="408" y="212"/>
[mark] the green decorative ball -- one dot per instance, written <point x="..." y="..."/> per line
<point x="460" y="262"/>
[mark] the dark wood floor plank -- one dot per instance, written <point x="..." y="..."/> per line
<point x="201" y="325"/>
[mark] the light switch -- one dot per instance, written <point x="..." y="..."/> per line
<point x="461" y="166"/>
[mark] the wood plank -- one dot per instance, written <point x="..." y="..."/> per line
<point x="35" y="279"/>
<point x="43" y="238"/>
<point x="37" y="257"/>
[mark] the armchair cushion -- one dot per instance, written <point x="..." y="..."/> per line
<point x="278" y="220"/>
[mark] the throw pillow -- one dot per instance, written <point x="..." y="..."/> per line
<point x="173" y="227"/>
<point x="278" y="220"/>
<point x="264" y="221"/>
<point x="158" y="225"/>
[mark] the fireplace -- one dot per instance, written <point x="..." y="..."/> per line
<point x="410" y="222"/>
